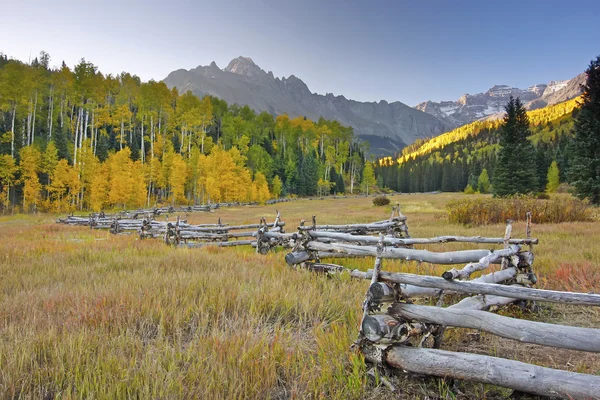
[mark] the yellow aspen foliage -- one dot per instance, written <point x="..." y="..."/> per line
<point x="178" y="179"/>
<point x="30" y="165"/>
<point x="98" y="196"/>
<point x="8" y="170"/>
<point x="87" y="166"/>
<point x="276" y="187"/>
<point x="138" y="187"/>
<point x="261" y="187"/>
<point x="119" y="171"/>
<point x="49" y="158"/>
<point x="64" y="187"/>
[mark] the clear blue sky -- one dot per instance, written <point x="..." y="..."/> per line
<point x="409" y="51"/>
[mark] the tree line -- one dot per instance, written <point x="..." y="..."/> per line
<point x="524" y="153"/>
<point x="79" y="139"/>
<point x="466" y="158"/>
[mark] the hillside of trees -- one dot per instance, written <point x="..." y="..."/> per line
<point x="465" y="157"/>
<point x="77" y="139"/>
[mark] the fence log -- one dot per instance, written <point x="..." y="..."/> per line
<point x="390" y="241"/>
<point x="451" y="257"/>
<point x="496" y="371"/>
<point x="566" y="337"/>
<point x="482" y="264"/>
<point x="515" y="292"/>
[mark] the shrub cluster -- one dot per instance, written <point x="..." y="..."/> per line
<point x="484" y="211"/>
<point x="381" y="201"/>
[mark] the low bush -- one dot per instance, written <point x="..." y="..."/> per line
<point x="483" y="211"/>
<point x="381" y="201"/>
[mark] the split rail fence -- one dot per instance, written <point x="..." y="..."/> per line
<point x="398" y="335"/>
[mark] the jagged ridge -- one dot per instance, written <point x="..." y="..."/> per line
<point x="389" y="127"/>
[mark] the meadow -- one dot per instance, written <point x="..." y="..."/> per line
<point x="87" y="314"/>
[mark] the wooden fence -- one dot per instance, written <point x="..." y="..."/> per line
<point x="396" y="334"/>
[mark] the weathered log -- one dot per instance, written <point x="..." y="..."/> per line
<point x="390" y="241"/>
<point x="452" y="257"/>
<point x="515" y="292"/>
<point x="380" y="292"/>
<point x="297" y="257"/>
<point x="410" y="291"/>
<point x="482" y="264"/>
<point x="374" y="277"/>
<point x="493" y="370"/>
<point x="366" y="227"/>
<point x="483" y="302"/>
<point x="566" y="337"/>
<point x="383" y="328"/>
<point x="219" y="244"/>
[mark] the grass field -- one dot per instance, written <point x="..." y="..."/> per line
<point x="86" y="314"/>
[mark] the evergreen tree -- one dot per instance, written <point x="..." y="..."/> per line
<point x="584" y="171"/>
<point x="515" y="171"/>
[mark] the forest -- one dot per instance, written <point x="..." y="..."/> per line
<point x="464" y="159"/>
<point x="78" y="139"/>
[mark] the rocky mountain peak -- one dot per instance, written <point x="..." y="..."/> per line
<point x="387" y="126"/>
<point x="472" y="107"/>
<point x="244" y="66"/>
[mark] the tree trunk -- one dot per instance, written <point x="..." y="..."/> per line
<point x="142" y="149"/>
<point x="12" y="129"/>
<point x="76" y="139"/>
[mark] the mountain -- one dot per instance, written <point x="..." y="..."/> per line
<point x="388" y="127"/>
<point x="491" y="104"/>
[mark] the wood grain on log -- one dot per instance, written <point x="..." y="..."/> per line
<point x="451" y="257"/>
<point x="482" y="264"/>
<point x="496" y="371"/>
<point x="566" y="337"/>
<point x="515" y="292"/>
<point x="390" y="241"/>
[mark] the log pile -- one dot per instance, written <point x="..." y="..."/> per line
<point x="397" y="334"/>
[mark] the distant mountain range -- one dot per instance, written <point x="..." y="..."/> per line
<point x="491" y="104"/>
<point x="388" y="127"/>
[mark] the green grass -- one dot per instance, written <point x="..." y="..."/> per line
<point x="85" y="314"/>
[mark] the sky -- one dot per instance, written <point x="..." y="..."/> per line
<point x="408" y="51"/>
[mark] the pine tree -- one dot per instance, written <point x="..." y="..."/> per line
<point x="584" y="171"/>
<point x="515" y="171"/>
<point x="553" y="178"/>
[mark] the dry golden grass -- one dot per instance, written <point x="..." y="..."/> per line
<point x="483" y="211"/>
<point x="85" y="314"/>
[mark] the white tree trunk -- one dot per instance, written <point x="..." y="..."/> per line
<point x="33" y="118"/>
<point x="12" y="129"/>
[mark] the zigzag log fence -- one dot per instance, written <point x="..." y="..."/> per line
<point x="396" y="334"/>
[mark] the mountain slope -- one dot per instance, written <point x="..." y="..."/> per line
<point x="388" y="127"/>
<point x="456" y="159"/>
<point x="536" y="117"/>
<point x="470" y="108"/>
